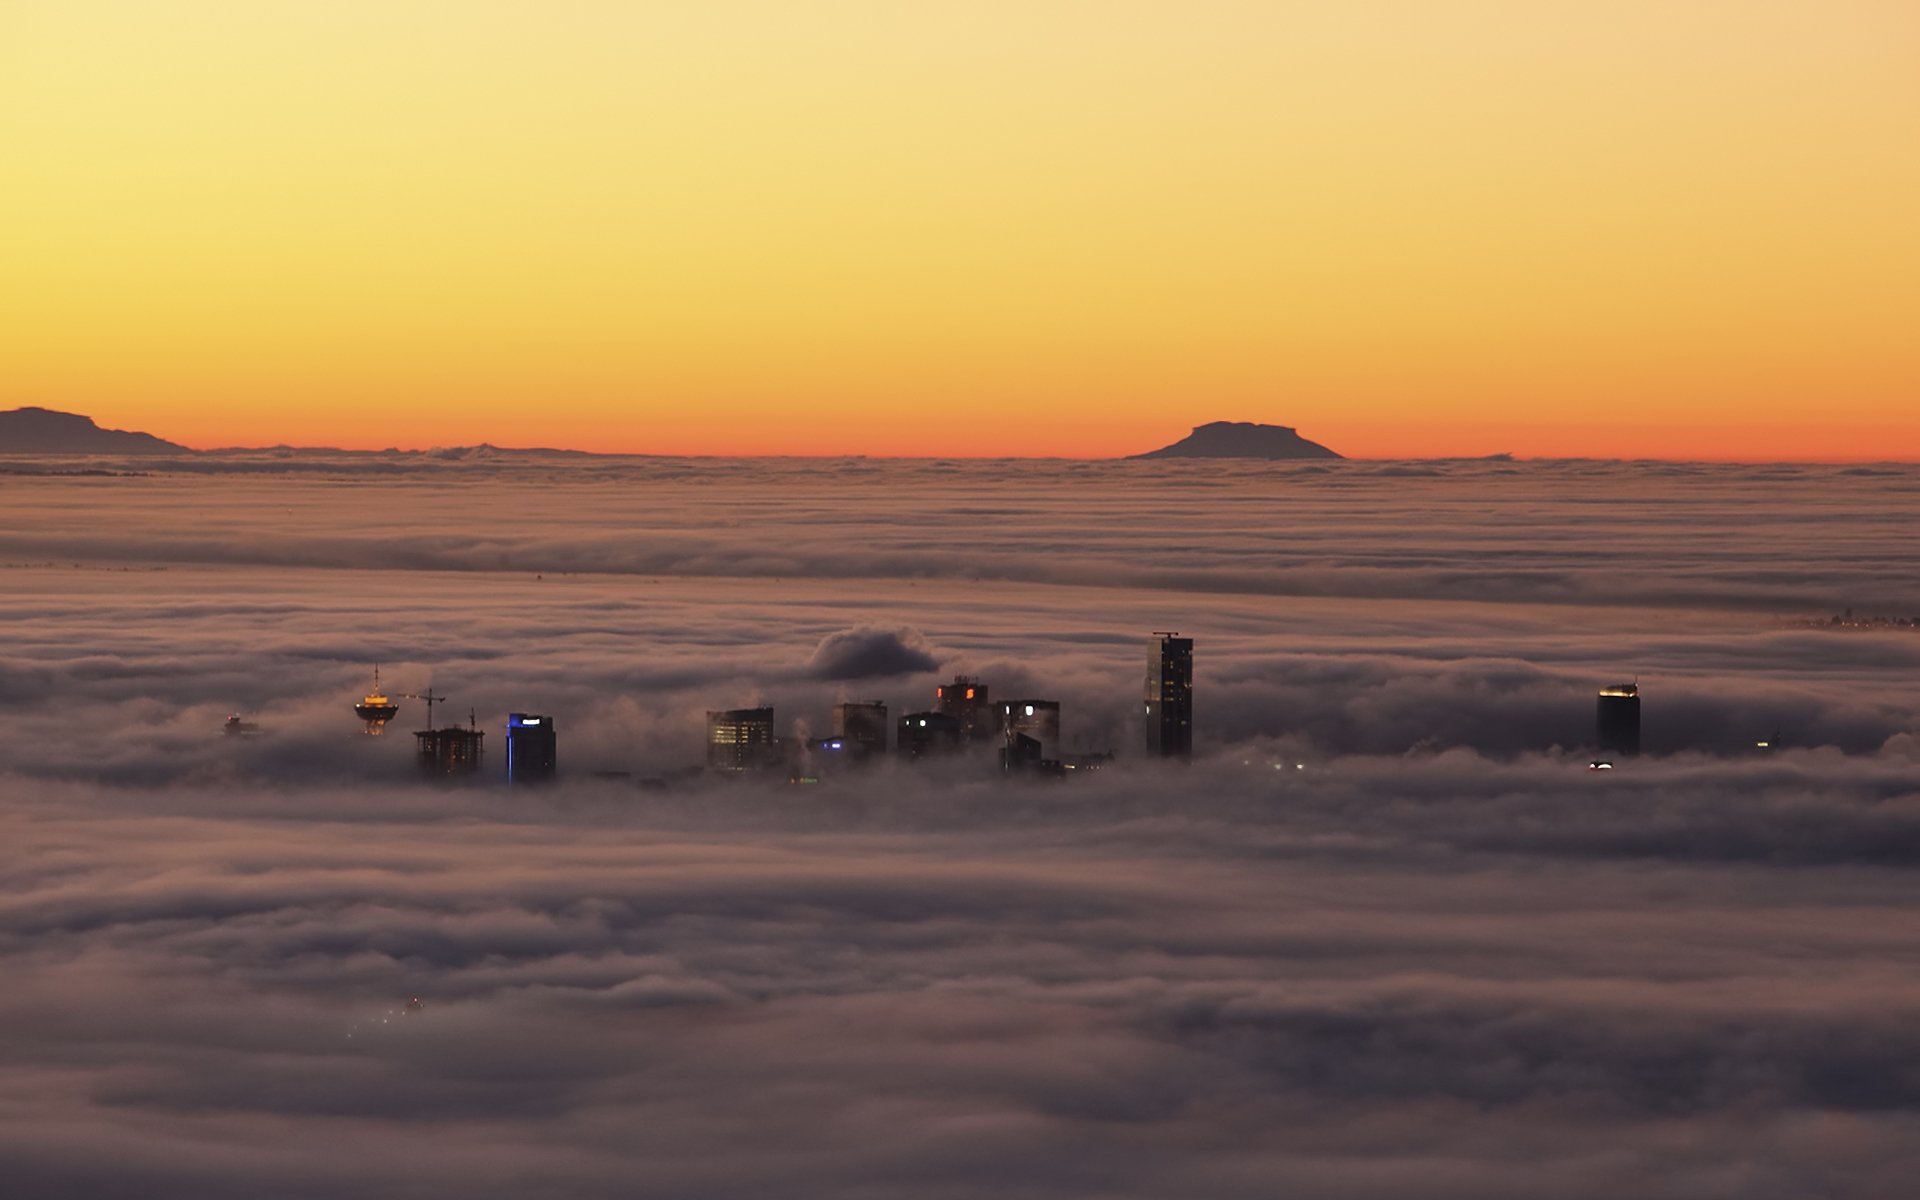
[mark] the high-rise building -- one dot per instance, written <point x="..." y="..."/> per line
<point x="1023" y="753"/>
<point x="862" y="726"/>
<point x="965" y="700"/>
<point x="451" y="752"/>
<point x="531" y="756"/>
<point x="1169" y="696"/>
<point x="1617" y="718"/>
<point x="740" y="739"/>
<point x="1036" y="719"/>
<point x="923" y="733"/>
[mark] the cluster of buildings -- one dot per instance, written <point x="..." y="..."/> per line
<point x="1023" y="734"/>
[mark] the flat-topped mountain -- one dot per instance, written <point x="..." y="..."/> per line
<point x="44" y="431"/>
<point x="1242" y="439"/>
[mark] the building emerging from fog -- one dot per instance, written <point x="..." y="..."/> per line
<point x="450" y="753"/>
<point x="965" y="700"/>
<point x="862" y="727"/>
<point x="739" y="739"/>
<point x="1169" y="696"/>
<point x="1035" y="719"/>
<point x="376" y="708"/>
<point x="923" y="733"/>
<point x="1617" y="718"/>
<point x="531" y="751"/>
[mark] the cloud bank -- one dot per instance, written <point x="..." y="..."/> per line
<point x="1386" y="937"/>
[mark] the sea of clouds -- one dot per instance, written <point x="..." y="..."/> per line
<point x="1387" y="936"/>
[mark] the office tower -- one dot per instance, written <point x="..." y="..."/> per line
<point x="1170" y="696"/>
<point x="1036" y="719"/>
<point x="862" y="726"/>
<point x="1023" y="753"/>
<point x="925" y="733"/>
<point x="531" y="754"/>
<point x="740" y="739"/>
<point x="965" y="700"/>
<point x="1617" y="718"/>
<point x="451" y="752"/>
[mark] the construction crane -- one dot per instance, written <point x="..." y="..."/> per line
<point x="429" y="697"/>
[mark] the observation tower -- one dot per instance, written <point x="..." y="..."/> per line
<point x="376" y="708"/>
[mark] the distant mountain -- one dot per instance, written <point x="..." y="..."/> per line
<point x="43" y="431"/>
<point x="1242" y="439"/>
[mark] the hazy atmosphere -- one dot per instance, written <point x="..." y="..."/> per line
<point x="1039" y="599"/>
<point x="1386" y="935"/>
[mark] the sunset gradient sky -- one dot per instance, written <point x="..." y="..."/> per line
<point x="1045" y="227"/>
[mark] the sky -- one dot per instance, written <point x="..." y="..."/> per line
<point x="1542" y="227"/>
<point x="1386" y="936"/>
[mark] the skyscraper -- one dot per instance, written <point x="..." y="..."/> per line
<point x="451" y="752"/>
<point x="739" y="739"/>
<point x="1617" y="718"/>
<point x="1036" y="719"/>
<point x="965" y="700"/>
<point x="1170" y="696"/>
<point x="862" y="725"/>
<point x="924" y="733"/>
<point x="531" y="756"/>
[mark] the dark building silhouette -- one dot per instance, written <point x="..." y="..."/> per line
<point x="862" y="726"/>
<point x="1036" y="719"/>
<point x="923" y="733"/>
<point x="740" y="739"/>
<point x="1617" y="719"/>
<point x="965" y="700"/>
<point x="531" y="750"/>
<point x="1169" y="696"/>
<point x="1023" y="753"/>
<point x="450" y="753"/>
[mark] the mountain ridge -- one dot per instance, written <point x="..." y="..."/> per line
<point x="34" y="430"/>
<point x="1243" y="439"/>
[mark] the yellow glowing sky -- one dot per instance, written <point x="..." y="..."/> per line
<point x="1671" y="227"/>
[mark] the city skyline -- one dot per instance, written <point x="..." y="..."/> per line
<point x="1058" y="599"/>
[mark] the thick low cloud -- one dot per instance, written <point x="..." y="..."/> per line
<point x="870" y="653"/>
<point x="1387" y="936"/>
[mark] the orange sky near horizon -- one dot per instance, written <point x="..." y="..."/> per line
<point x="1052" y="227"/>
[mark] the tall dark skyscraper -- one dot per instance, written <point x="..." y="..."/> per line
<point x="739" y="739"/>
<point x="531" y="752"/>
<point x="1170" y="696"/>
<point x="862" y="725"/>
<point x="1617" y="718"/>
